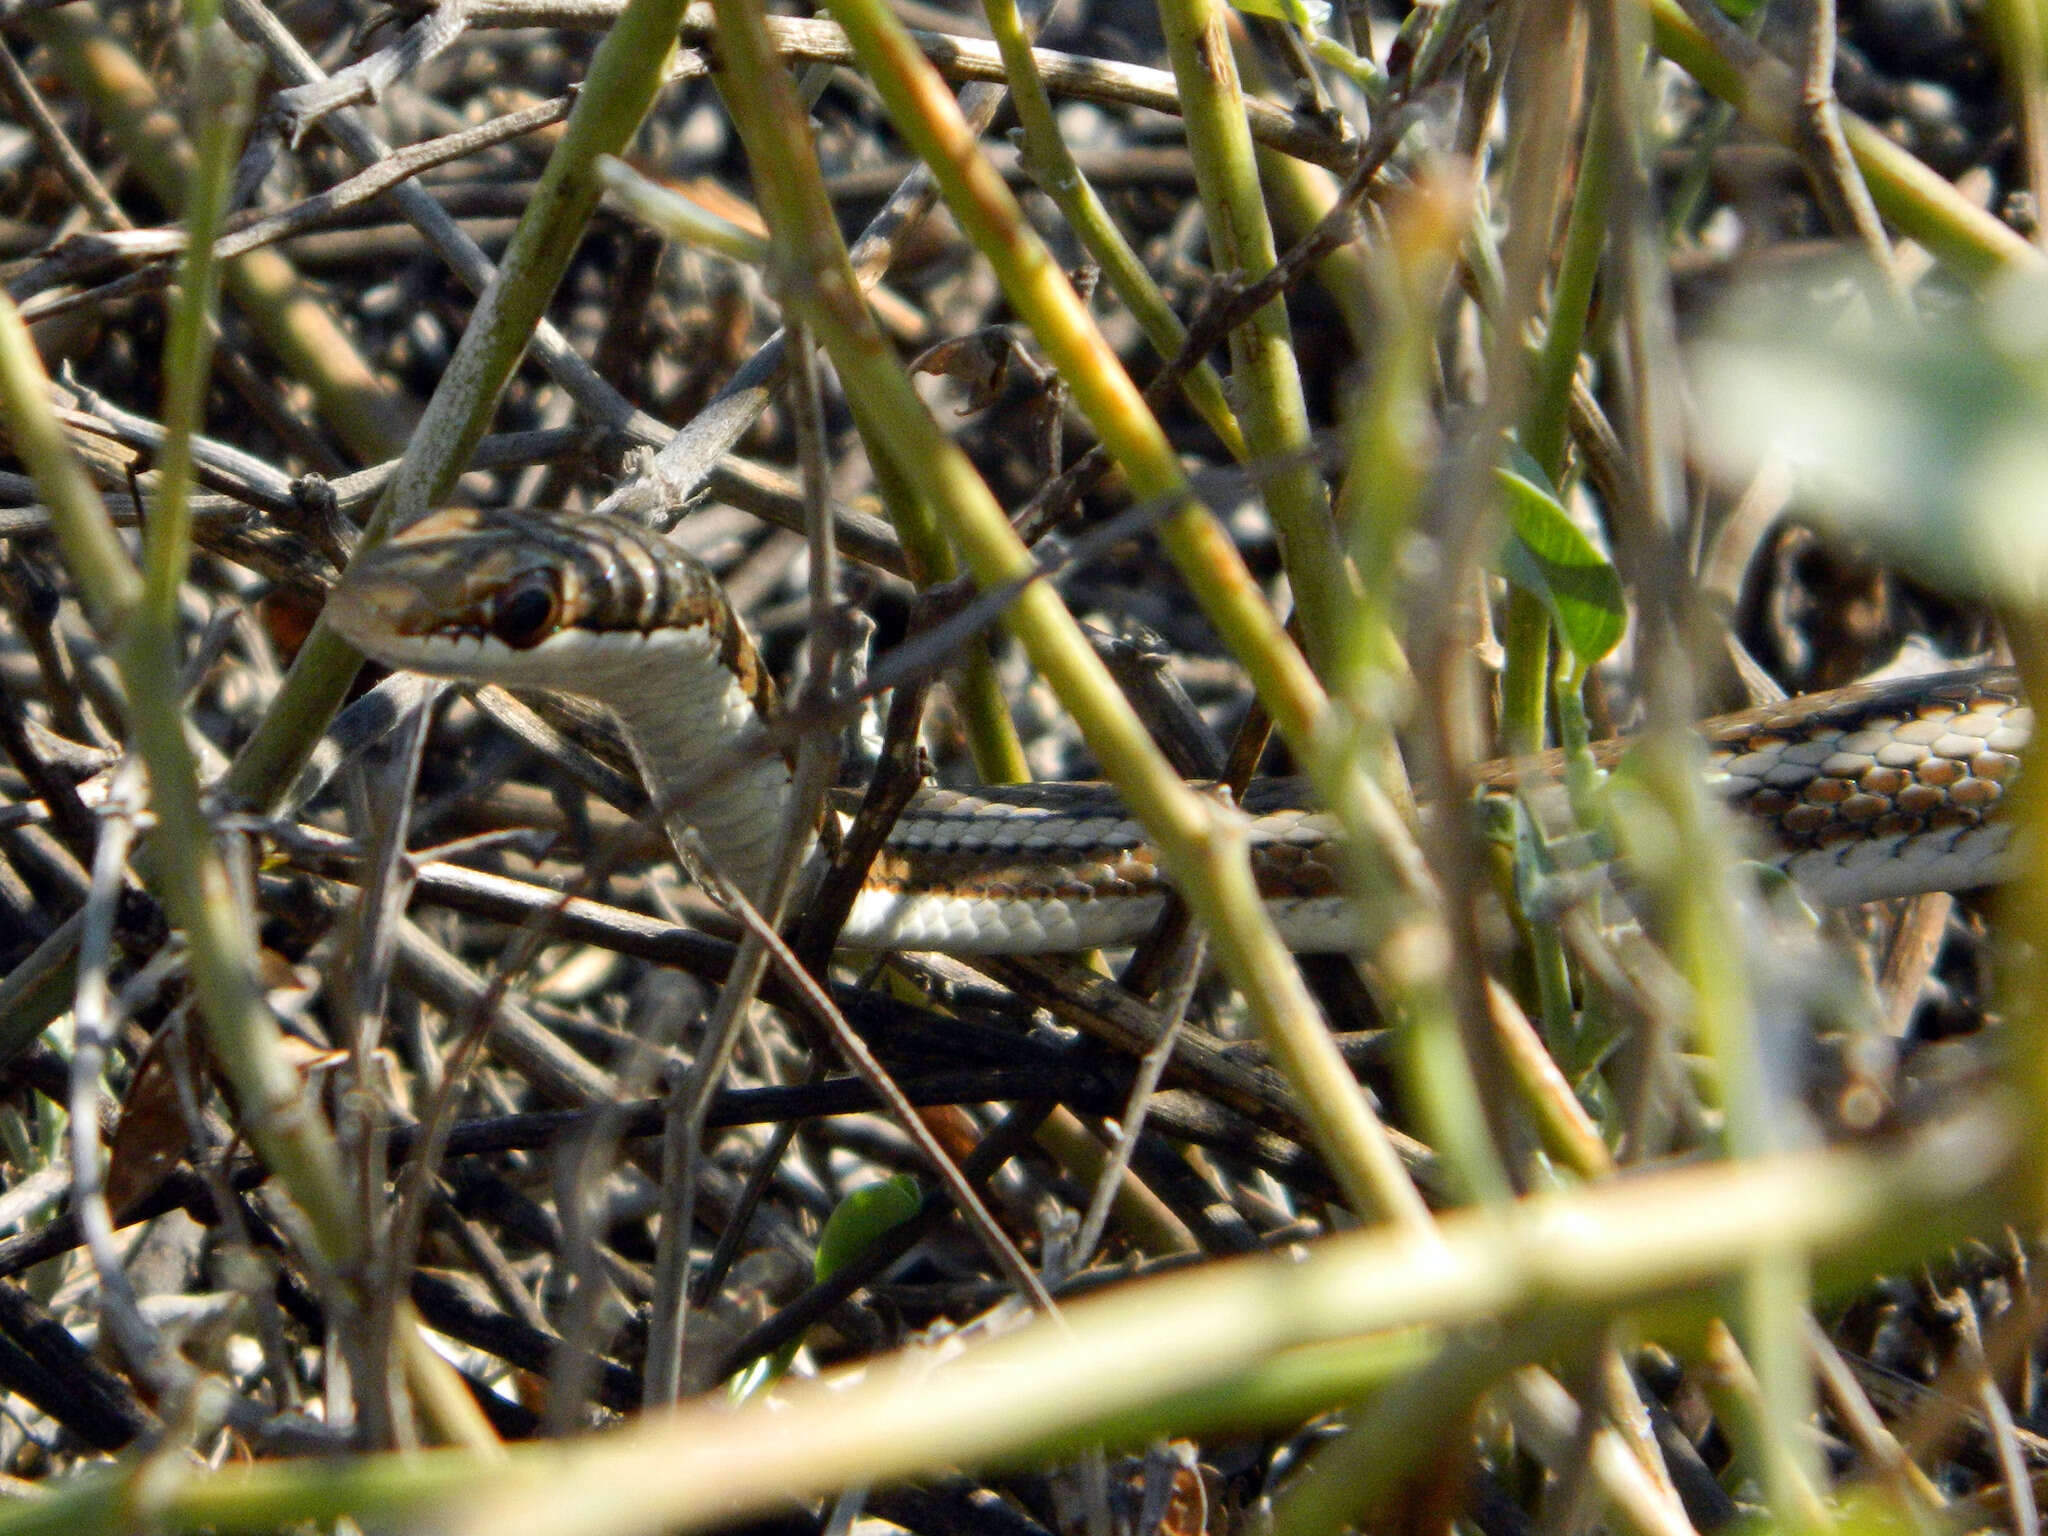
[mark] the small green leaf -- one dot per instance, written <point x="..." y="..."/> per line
<point x="1549" y="557"/>
<point x="861" y="1218"/>
<point x="857" y="1222"/>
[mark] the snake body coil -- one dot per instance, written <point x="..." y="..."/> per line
<point x="1881" y="790"/>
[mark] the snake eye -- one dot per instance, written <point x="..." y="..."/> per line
<point x="525" y="616"/>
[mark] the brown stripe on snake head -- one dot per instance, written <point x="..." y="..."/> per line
<point x="524" y="577"/>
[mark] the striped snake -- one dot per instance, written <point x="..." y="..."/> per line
<point x="1881" y="790"/>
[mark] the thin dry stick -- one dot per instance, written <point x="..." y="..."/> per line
<point x="363" y="1127"/>
<point x="1837" y="183"/>
<point x="691" y="1105"/>
<point x="77" y="172"/>
<point x="1185" y="967"/>
<point x="248" y="231"/>
<point x="876" y="1076"/>
<point x="93" y="1028"/>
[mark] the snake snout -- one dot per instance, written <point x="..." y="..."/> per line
<point x="369" y="614"/>
<point x="444" y="578"/>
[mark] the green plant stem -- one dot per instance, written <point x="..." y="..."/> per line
<point x="1193" y="845"/>
<point x="222" y="85"/>
<point x="2023" y="908"/>
<point x="1363" y="73"/>
<point x="138" y="616"/>
<point x="1546" y="436"/>
<point x="1659" y="1245"/>
<point x="1525" y="690"/>
<point x="1776" y="1310"/>
<point x="992" y="739"/>
<point x="1301" y="195"/>
<point x="2016" y="27"/>
<point x="1354" y="1481"/>
<point x="1538" y="175"/>
<point x="189" y="876"/>
<point x="1738" y="1401"/>
<point x="924" y="112"/>
<point x="1045" y="156"/>
<point x="1399" y="905"/>
<point x="1546" y="426"/>
<point x="1764" y="90"/>
<point x="1264" y="379"/>
<point x="1204" y="870"/>
<point x="1525" y="678"/>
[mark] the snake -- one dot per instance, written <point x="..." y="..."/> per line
<point x="1859" y="794"/>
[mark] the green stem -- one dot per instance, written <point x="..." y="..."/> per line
<point x="188" y="874"/>
<point x="992" y="739"/>
<point x="1546" y="428"/>
<point x="1318" y="1329"/>
<point x="1045" y="156"/>
<point x="1525" y="678"/>
<point x="925" y="113"/>
<point x="1764" y="90"/>
<point x="1264" y="378"/>
<point x="222" y="85"/>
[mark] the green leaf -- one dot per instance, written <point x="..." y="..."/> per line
<point x="861" y="1218"/>
<point x="856" y="1223"/>
<point x="1549" y="557"/>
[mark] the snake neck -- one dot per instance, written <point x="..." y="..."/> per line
<point x="679" y="721"/>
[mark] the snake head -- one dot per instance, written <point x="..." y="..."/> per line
<point x="455" y="577"/>
<point x="545" y="600"/>
<point x="605" y="609"/>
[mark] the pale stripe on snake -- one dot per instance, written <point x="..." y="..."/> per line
<point x="1881" y="790"/>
